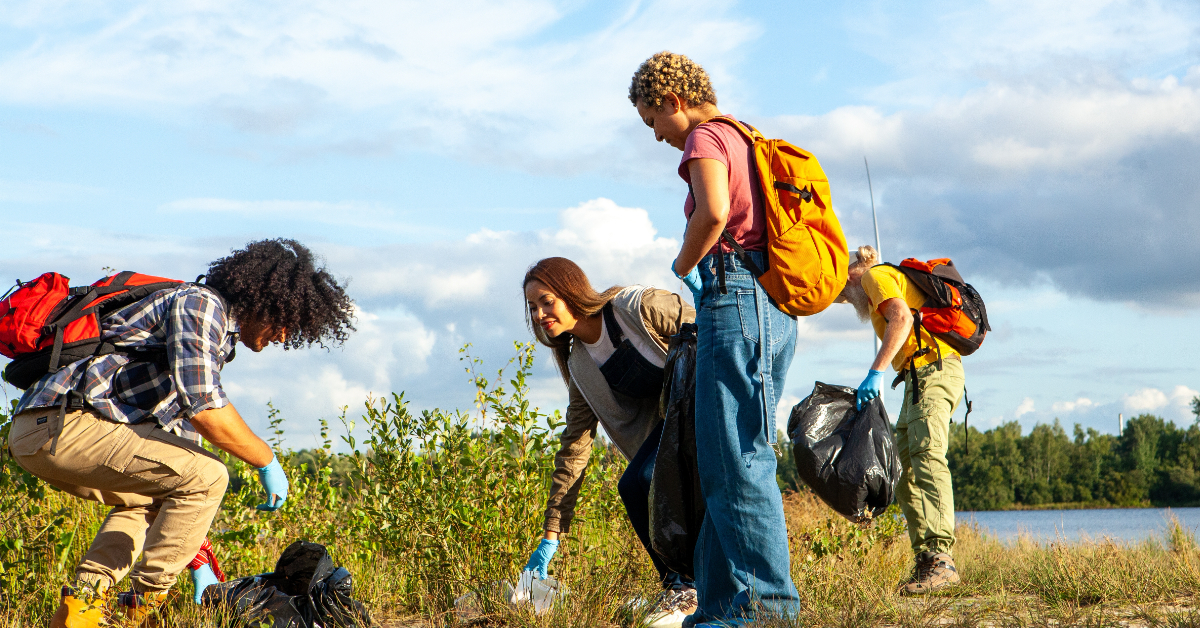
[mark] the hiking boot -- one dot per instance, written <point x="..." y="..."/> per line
<point x="673" y="606"/>
<point x="141" y="610"/>
<point x="80" y="607"/>
<point x="934" y="571"/>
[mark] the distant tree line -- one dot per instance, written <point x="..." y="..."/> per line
<point x="1151" y="463"/>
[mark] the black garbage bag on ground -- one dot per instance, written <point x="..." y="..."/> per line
<point x="847" y="456"/>
<point x="676" y="502"/>
<point x="306" y="590"/>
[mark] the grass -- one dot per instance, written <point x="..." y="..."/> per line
<point x="433" y="506"/>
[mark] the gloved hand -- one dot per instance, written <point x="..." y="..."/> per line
<point x="540" y="561"/>
<point x="275" y="481"/>
<point x="202" y="576"/>
<point x="692" y="281"/>
<point x="869" y="388"/>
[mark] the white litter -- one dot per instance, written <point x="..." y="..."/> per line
<point x="530" y="591"/>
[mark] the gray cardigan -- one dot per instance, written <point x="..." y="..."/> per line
<point x="655" y="315"/>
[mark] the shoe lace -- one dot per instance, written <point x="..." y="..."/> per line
<point x="673" y="600"/>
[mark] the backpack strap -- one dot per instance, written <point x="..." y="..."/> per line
<point x="610" y="322"/>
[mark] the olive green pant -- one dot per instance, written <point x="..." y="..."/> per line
<point x="926" y="493"/>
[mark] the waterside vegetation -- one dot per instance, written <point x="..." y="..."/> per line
<point x="431" y="506"/>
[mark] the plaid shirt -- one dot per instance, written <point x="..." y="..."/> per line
<point x="188" y="323"/>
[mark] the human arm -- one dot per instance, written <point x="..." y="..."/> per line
<point x="569" y="464"/>
<point x="710" y="190"/>
<point x="225" y="429"/>
<point x="899" y="325"/>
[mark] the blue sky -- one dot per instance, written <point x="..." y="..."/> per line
<point x="430" y="154"/>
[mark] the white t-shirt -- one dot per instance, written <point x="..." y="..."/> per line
<point x="603" y="348"/>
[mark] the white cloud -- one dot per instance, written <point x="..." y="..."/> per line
<point x="1080" y="404"/>
<point x="486" y="79"/>
<point x="1026" y="406"/>
<point x="1153" y="399"/>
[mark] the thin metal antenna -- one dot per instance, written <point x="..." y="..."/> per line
<point x="878" y="248"/>
<point x="875" y="218"/>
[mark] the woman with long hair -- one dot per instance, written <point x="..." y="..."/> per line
<point x="744" y="345"/>
<point x="610" y="348"/>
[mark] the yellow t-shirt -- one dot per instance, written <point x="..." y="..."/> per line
<point x="884" y="282"/>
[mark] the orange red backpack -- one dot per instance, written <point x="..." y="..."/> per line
<point x="953" y="311"/>
<point x="46" y="324"/>
<point x="806" y="250"/>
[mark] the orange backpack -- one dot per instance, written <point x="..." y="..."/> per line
<point x="806" y="250"/>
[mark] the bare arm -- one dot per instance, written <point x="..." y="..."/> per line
<point x="899" y="325"/>
<point x="710" y="187"/>
<point x="225" y="428"/>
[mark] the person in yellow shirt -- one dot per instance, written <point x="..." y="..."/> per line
<point x="885" y="297"/>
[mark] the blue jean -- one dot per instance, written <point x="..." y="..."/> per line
<point x="742" y="560"/>
<point x="634" y="488"/>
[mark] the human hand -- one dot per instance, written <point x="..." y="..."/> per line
<point x="540" y="561"/>
<point x="869" y="388"/>
<point x="275" y="481"/>
<point x="202" y="576"/>
<point x="692" y="281"/>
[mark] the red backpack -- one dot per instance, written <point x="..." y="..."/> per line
<point x="953" y="312"/>
<point x="46" y="324"/>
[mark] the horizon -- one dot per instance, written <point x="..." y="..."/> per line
<point x="431" y="155"/>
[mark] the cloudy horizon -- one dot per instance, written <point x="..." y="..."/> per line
<point x="430" y="156"/>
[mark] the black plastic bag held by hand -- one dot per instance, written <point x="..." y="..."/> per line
<point x="846" y="456"/>
<point x="676" y="503"/>
<point x="306" y="590"/>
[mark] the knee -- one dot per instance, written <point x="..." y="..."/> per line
<point x="211" y="476"/>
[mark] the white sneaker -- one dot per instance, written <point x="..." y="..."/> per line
<point x="672" y="608"/>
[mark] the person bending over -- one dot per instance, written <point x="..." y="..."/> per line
<point x="882" y="295"/>
<point x="744" y="347"/>
<point x="129" y="435"/>
<point x="610" y="348"/>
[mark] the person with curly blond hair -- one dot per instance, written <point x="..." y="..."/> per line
<point x="744" y="347"/>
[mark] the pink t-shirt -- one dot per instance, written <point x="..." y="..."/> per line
<point x="747" y="218"/>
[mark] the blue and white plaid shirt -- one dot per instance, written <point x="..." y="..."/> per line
<point x="189" y="323"/>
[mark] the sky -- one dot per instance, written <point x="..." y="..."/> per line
<point x="430" y="154"/>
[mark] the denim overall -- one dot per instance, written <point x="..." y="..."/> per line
<point x="744" y="348"/>
<point x="629" y="373"/>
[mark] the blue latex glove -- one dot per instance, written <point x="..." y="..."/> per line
<point x="540" y="561"/>
<point x="869" y="388"/>
<point x="275" y="481"/>
<point x="201" y="578"/>
<point x="692" y="281"/>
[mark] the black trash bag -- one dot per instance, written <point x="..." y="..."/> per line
<point x="676" y="502"/>
<point x="306" y="590"/>
<point x="846" y="456"/>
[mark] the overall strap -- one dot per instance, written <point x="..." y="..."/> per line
<point x="610" y="322"/>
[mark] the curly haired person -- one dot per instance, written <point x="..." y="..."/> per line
<point x="125" y="431"/>
<point x="744" y="347"/>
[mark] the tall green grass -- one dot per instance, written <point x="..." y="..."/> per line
<point x="426" y="507"/>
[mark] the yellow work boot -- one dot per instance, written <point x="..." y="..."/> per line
<point x="142" y="610"/>
<point x="81" y="607"/>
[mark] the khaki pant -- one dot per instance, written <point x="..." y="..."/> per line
<point x="926" y="493"/>
<point x="164" y="491"/>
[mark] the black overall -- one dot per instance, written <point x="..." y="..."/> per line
<point x="629" y="373"/>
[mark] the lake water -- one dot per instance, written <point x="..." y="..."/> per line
<point x="1119" y="524"/>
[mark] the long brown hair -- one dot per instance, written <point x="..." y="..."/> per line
<point x="569" y="283"/>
